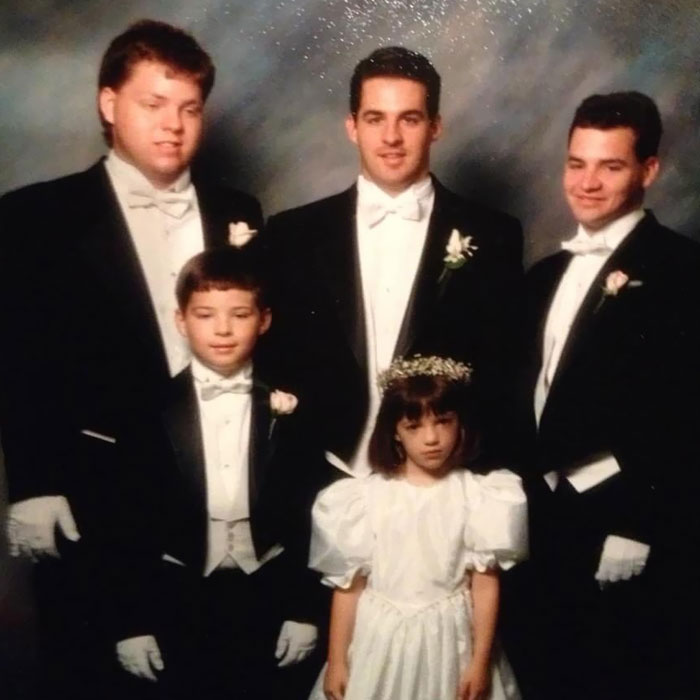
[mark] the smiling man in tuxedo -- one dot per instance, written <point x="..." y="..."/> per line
<point x="614" y="383"/>
<point x="394" y="265"/>
<point x="94" y="256"/>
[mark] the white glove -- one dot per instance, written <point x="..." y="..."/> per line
<point x="140" y="656"/>
<point x="296" y="641"/>
<point x="621" y="559"/>
<point x="31" y="526"/>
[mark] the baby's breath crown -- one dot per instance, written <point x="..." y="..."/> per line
<point x="431" y="365"/>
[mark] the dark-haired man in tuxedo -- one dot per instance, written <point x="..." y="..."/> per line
<point x="394" y="265"/>
<point x="104" y="244"/>
<point x="614" y="383"/>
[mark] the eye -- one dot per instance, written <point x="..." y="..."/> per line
<point x="193" y="111"/>
<point x="412" y="119"/>
<point x="203" y="314"/>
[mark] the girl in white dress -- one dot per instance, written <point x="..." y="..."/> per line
<point x="413" y="551"/>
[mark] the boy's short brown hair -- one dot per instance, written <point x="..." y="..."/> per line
<point x="223" y="268"/>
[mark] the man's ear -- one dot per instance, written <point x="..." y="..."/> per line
<point x="351" y="127"/>
<point x="105" y="101"/>
<point x="651" y="170"/>
<point x="436" y="126"/>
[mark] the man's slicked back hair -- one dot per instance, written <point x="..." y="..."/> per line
<point x="397" y="62"/>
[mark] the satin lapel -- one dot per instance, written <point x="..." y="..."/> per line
<point x="215" y="219"/>
<point x="426" y="285"/>
<point x="106" y="246"/>
<point x="338" y="259"/>
<point x="261" y="441"/>
<point x="181" y="420"/>
<point x="630" y="257"/>
<point x="542" y="293"/>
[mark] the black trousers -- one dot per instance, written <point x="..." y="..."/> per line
<point x="569" y="638"/>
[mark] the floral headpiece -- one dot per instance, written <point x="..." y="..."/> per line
<point x="431" y="366"/>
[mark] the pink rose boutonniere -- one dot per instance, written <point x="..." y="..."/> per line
<point x="239" y="233"/>
<point x="615" y="282"/>
<point x="281" y="404"/>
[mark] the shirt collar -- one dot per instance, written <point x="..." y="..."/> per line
<point x="369" y="191"/>
<point x="131" y="177"/>
<point x="205" y="375"/>
<point x="616" y="231"/>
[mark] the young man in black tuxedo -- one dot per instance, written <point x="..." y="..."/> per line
<point x="612" y="404"/>
<point x="394" y="265"/>
<point x="210" y="590"/>
<point x="104" y="244"/>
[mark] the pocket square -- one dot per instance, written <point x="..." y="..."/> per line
<point x="99" y="436"/>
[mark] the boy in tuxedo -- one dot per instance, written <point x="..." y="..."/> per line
<point x="216" y="595"/>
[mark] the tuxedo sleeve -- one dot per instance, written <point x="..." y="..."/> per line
<point x="496" y="379"/>
<point x="33" y="420"/>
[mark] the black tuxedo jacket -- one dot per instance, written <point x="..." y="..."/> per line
<point x="165" y="494"/>
<point x="627" y="385"/>
<point x="466" y="313"/>
<point x="83" y="346"/>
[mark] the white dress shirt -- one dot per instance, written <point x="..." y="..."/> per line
<point x="391" y="235"/>
<point x="573" y="288"/>
<point x="163" y="244"/>
<point x="225" y="425"/>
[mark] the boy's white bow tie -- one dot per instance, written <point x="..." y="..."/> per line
<point x="210" y="391"/>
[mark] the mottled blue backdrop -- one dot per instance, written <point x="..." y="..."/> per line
<point x="513" y="72"/>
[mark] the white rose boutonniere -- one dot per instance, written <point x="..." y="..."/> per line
<point x="458" y="249"/>
<point x="281" y="404"/>
<point x="615" y="282"/>
<point x="239" y="233"/>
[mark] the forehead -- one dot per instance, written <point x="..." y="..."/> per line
<point x="602" y="144"/>
<point x="148" y="74"/>
<point x="385" y="93"/>
<point x="223" y="298"/>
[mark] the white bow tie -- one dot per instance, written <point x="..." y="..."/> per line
<point x="586" y="245"/>
<point x="212" y="390"/>
<point x="407" y="208"/>
<point x="175" y="204"/>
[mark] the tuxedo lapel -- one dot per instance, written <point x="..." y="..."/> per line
<point x="215" y="216"/>
<point x="426" y="285"/>
<point x="262" y="441"/>
<point x="182" y="425"/>
<point x="630" y="257"/>
<point x="338" y="259"/>
<point x="107" y="247"/>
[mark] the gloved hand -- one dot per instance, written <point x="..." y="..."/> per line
<point x="295" y="642"/>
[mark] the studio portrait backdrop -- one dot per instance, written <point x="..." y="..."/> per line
<point x="513" y="73"/>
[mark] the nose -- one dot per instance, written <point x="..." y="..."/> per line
<point x="223" y="325"/>
<point x="172" y="119"/>
<point x="392" y="133"/>
<point x="430" y="437"/>
<point x="590" y="180"/>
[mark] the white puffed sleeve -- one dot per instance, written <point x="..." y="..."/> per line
<point x="496" y="526"/>
<point x="341" y="538"/>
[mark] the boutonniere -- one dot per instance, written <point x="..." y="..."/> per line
<point x="239" y="233"/>
<point x="281" y="404"/>
<point x="615" y="282"/>
<point x="458" y="249"/>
